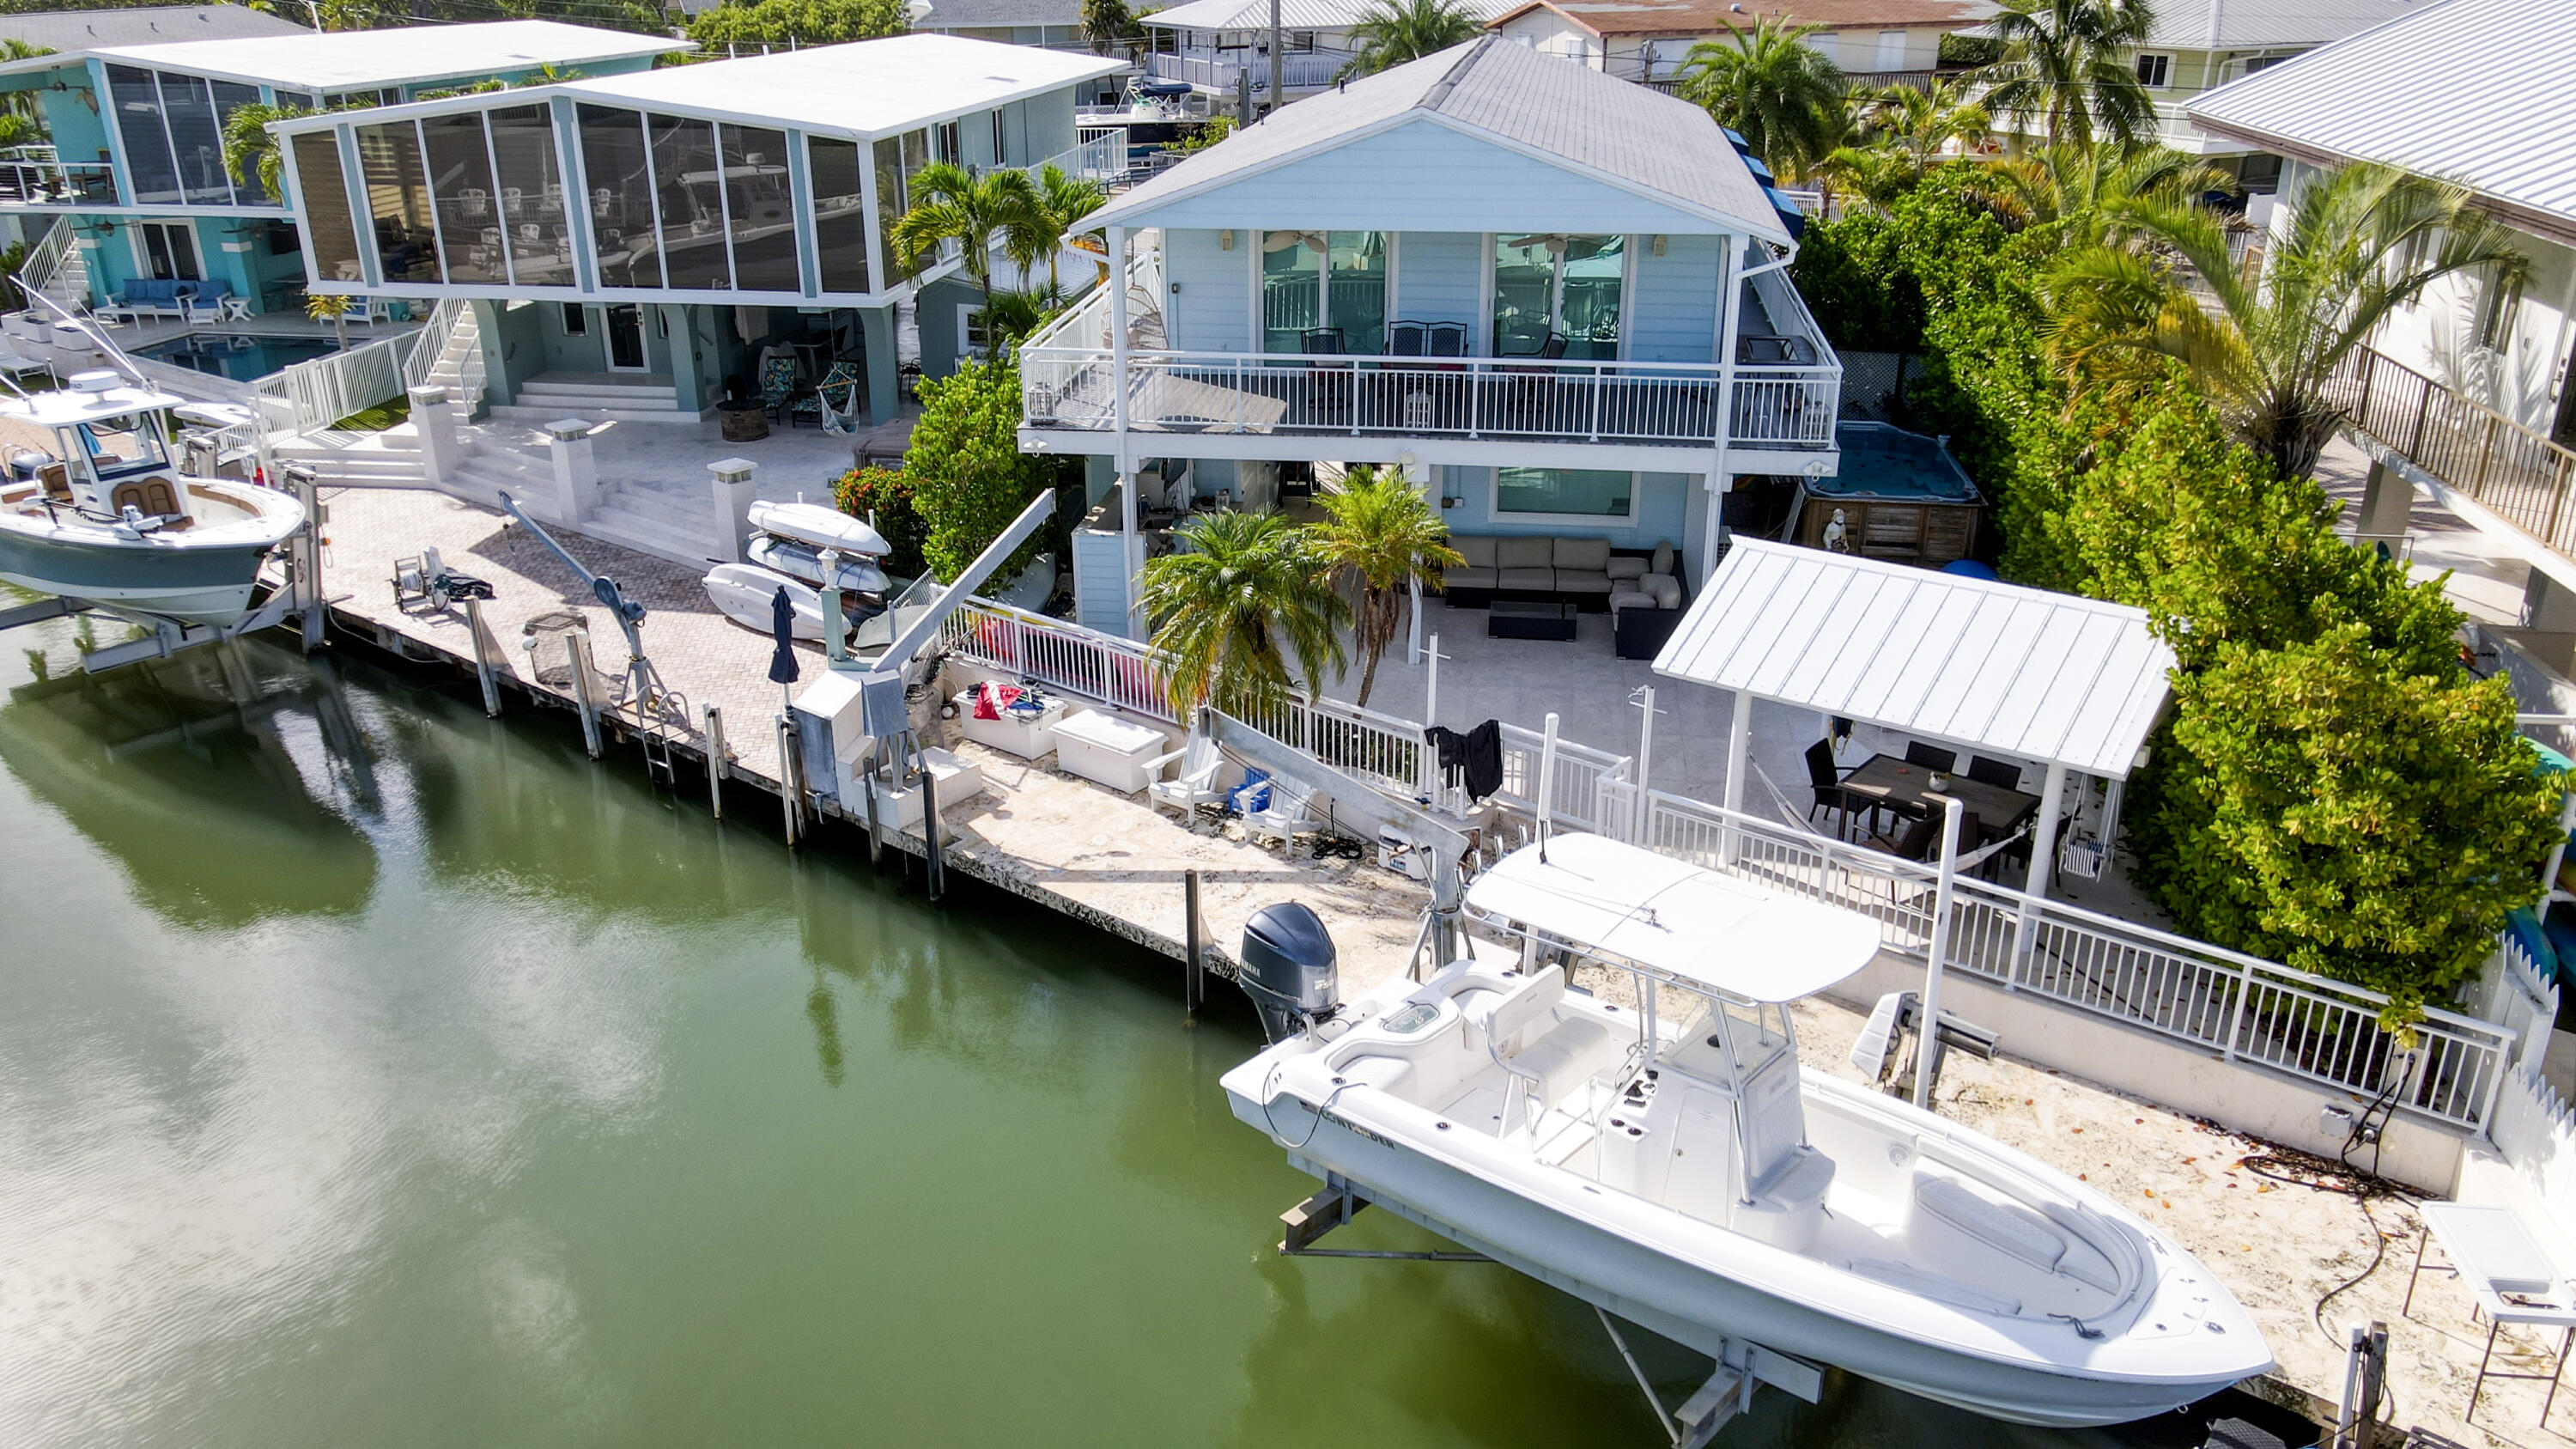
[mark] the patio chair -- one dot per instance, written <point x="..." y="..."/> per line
<point x="1446" y="339"/>
<point x="1530" y="392"/>
<point x="837" y="398"/>
<point x="1291" y="813"/>
<point x="2002" y="773"/>
<point x="778" y="385"/>
<point x="1330" y="385"/>
<point x="1406" y="339"/>
<point x="1826" y="780"/>
<point x="1194" y="786"/>
<point x="1931" y="757"/>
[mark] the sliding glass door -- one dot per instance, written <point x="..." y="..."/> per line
<point x="1554" y="285"/>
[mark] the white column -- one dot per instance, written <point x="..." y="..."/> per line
<point x="1739" y="750"/>
<point x="734" y="488"/>
<point x="433" y="416"/>
<point x="2043" y="853"/>
<point x="1131" y="547"/>
<point x="1927" y="1042"/>
<point x="576" y="469"/>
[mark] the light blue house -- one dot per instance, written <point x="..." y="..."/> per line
<point x="1558" y="299"/>
<point x="134" y="169"/>
<point x="652" y="241"/>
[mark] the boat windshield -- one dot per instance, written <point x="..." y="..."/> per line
<point x="1726" y="1037"/>
<point x="118" y="446"/>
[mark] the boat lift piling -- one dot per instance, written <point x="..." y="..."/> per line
<point x="712" y="719"/>
<point x="483" y="674"/>
<point x="1193" y="948"/>
<point x="584" y="688"/>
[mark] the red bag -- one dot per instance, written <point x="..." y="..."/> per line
<point x="992" y="699"/>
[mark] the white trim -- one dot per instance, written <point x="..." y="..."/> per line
<point x="1495" y="512"/>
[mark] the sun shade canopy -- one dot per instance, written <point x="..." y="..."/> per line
<point x="1675" y="920"/>
<point x="1997" y="667"/>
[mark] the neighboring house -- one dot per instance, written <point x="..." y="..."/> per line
<point x="1875" y="41"/>
<point x="1558" y="299"/>
<point x="2476" y="380"/>
<point x="1207" y="44"/>
<point x="1052" y="24"/>
<point x="143" y="25"/>
<point x="134" y="173"/>
<point x="672" y="228"/>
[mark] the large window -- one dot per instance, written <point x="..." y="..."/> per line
<point x="898" y="160"/>
<point x="692" y="196"/>
<point x="531" y="196"/>
<point x="172" y="127"/>
<point x="398" y="207"/>
<point x="329" y="232"/>
<point x="761" y="208"/>
<point x="229" y="98"/>
<point x="150" y="174"/>
<point x="1355" y="267"/>
<point x="840" y="215"/>
<point x="469" y="216"/>
<point x="1565" y="493"/>
<point x="1291" y="290"/>
<point x="1331" y="284"/>
<point x="621" y="197"/>
<point x="1563" y="286"/>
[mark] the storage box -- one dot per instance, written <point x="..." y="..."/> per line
<point x="953" y="780"/>
<point x="1016" y="732"/>
<point x="1109" y="750"/>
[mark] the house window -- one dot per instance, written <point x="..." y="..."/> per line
<point x="2502" y="307"/>
<point x="576" y="318"/>
<point x="1574" y="493"/>
<point x="1001" y="151"/>
<point x="168" y="250"/>
<point x="840" y="214"/>
<point x="397" y="181"/>
<point x="1570" y="286"/>
<point x="972" y="340"/>
<point x="2263" y="62"/>
<point x="330" y="229"/>
<point x="952" y="147"/>
<point x="2155" y="72"/>
<point x="1324" y="281"/>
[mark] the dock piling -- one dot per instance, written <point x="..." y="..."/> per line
<point x="1194" y="939"/>
<point x="483" y="672"/>
<point x="713" y="717"/>
<point x="584" y="688"/>
<point x="791" y="780"/>
<point x="934" y="874"/>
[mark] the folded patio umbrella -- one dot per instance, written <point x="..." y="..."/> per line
<point x="782" y="626"/>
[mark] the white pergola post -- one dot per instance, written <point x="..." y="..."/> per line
<point x="2043" y="852"/>
<point x="1927" y="1042"/>
<point x="1645" y="762"/>
<point x="1128" y="541"/>
<point x="1739" y="750"/>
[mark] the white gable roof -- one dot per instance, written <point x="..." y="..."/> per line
<point x="864" y="87"/>
<point x="360" y="59"/>
<point x="1997" y="667"/>
<point x="2267" y="24"/>
<point x="2482" y="92"/>
<point x="1570" y="115"/>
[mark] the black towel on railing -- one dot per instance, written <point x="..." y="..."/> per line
<point x="1450" y="748"/>
<point x="1474" y="759"/>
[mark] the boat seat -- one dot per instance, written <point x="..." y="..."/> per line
<point x="1526" y="1037"/>
<point x="2006" y="1227"/>
<point x="1928" y="1284"/>
<point x="1788" y="1210"/>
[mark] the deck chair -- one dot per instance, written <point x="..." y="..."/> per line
<point x="1194" y="785"/>
<point x="837" y="401"/>
<point x="1446" y="339"/>
<point x="1291" y="812"/>
<point x="1826" y="780"/>
<point x="1931" y="757"/>
<point x="778" y="385"/>
<point x="1406" y="339"/>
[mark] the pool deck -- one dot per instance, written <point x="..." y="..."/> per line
<point x="1115" y="863"/>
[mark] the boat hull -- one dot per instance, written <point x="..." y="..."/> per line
<point x="1686" y="1302"/>
<point x="209" y="583"/>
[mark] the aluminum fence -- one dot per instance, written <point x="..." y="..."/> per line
<point x="2521" y="475"/>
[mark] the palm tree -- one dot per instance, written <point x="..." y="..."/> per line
<point x="333" y="306"/>
<point x="1381" y="534"/>
<point x="2069" y="64"/>
<point x="1395" y="31"/>
<point x="2264" y="350"/>
<point x="1242" y="594"/>
<point x="1106" y="23"/>
<point x="1062" y="202"/>
<point x="1903" y="135"/>
<point x="250" y="151"/>
<point x="979" y="213"/>
<point x="2092" y="189"/>
<point x="1011" y="317"/>
<point x="1770" y="87"/>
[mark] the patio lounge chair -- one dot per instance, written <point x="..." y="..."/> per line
<point x="1328" y="398"/>
<point x="1529" y="393"/>
<point x="1291" y="813"/>
<point x="1406" y="339"/>
<point x="1445" y="339"/>
<point x="1195" y="785"/>
<point x="778" y="386"/>
<point x="1826" y="780"/>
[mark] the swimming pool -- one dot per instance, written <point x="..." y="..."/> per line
<point x="238" y="357"/>
<point x="1880" y="461"/>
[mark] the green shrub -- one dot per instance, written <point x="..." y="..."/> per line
<point x="886" y="495"/>
<point x="969" y="477"/>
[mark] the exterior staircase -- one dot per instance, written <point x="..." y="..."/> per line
<point x="458" y="367"/>
<point x="624" y="397"/>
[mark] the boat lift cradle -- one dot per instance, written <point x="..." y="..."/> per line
<point x="1744" y="1365"/>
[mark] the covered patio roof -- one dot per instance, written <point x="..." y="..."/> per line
<point x="2072" y="683"/>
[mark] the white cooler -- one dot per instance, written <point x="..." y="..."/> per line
<point x="1025" y="735"/>
<point x="953" y="778"/>
<point x="1109" y="750"/>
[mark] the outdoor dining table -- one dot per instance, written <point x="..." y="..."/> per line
<point x="1906" y="788"/>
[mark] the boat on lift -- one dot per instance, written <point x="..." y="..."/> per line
<point x="1689" y="1176"/>
<point x="111" y="519"/>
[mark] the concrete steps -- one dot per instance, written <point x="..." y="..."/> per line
<point x="597" y="397"/>
<point x="668" y="525"/>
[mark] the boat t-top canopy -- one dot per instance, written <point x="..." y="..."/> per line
<point x="1673" y="920"/>
<point x="105" y="396"/>
<point x="2057" y="679"/>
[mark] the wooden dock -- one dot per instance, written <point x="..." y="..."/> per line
<point x="1106" y="859"/>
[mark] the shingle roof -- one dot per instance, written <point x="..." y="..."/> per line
<point x="143" y="25"/>
<point x="2265" y="24"/>
<point x="1588" y="121"/>
<point x="979" y="14"/>
<point x="2482" y="92"/>
<point x="1712" y="17"/>
<point x="1293" y="14"/>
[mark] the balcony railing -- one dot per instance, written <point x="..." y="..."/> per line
<point x="1474" y="397"/>
<point x="2514" y="472"/>
<point x="38" y="176"/>
<point x="1301" y="69"/>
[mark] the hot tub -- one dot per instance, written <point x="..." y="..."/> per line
<point x="1901" y="496"/>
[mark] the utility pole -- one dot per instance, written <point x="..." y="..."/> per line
<point x="1276" y="61"/>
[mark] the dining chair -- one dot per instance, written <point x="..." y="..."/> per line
<point x="1321" y="342"/>
<point x="1930" y="757"/>
<point x="1445" y="339"/>
<point x="1920" y="839"/>
<point x="2003" y="773"/>
<point x="1405" y="339"/>
<point x="1826" y="780"/>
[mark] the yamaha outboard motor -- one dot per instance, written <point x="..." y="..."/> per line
<point x="1289" y="969"/>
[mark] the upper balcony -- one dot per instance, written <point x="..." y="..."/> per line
<point x="1218" y="72"/>
<point x="1423" y="391"/>
<point x="38" y="176"/>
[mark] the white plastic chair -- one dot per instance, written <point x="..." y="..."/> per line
<point x="1291" y="812"/>
<point x="1195" y="785"/>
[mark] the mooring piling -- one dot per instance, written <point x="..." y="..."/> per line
<point x="585" y="688"/>
<point x="713" y="716"/>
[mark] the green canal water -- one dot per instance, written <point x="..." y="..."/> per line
<point x="374" y="1073"/>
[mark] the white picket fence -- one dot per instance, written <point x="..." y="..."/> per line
<point x="2241" y="1007"/>
<point x="311" y="396"/>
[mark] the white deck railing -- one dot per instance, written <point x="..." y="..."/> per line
<point x="2242" y="1007"/>
<point x="38" y="175"/>
<point x="1101" y="156"/>
<point x="1298" y="69"/>
<point x="1678" y="403"/>
<point x="321" y="392"/>
<point x="44" y="264"/>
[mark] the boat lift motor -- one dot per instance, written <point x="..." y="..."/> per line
<point x="1897" y="1017"/>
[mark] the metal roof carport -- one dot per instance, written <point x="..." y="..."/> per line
<point x="2075" y="684"/>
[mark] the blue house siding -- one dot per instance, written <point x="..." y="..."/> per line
<point x="1211" y="305"/>
<point x="1423" y="176"/>
<point x="1673" y="307"/>
<point x="1440" y="277"/>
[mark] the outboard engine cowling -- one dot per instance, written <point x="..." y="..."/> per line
<point x="1289" y="969"/>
